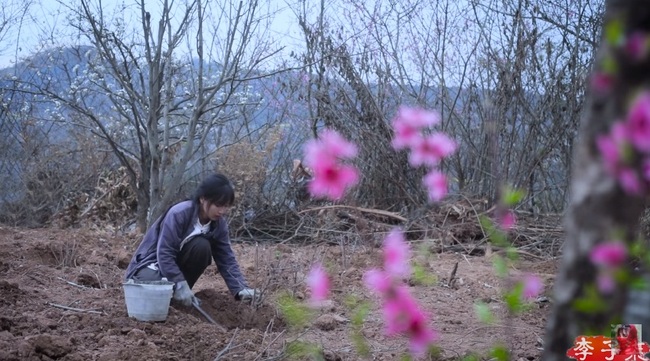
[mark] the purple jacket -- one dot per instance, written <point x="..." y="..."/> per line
<point x="162" y="243"/>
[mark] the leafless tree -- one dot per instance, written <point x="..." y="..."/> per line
<point x="168" y="94"/>
<point x="507" y="81"/>
<point x="520" y="110"/>
<point x="13" y="14"/>
<point x="350" y="90"/>
<point x="21" y="133"/>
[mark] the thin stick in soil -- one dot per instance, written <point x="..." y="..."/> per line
<point x="75" y="309"/>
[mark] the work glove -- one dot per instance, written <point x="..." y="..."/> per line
<point x="184" y="294"/>
<point x="248" y="295"/>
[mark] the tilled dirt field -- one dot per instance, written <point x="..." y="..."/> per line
<point x="61" y="298"/>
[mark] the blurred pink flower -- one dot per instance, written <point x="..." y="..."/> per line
<point x="636" y="45"/>
<point x="329" y="146"/>
<point x="408" y="123"/>
<point x="436" y="184"/>
<point x="612" y="146"/>
<point x="318" y="283"/>
<point x="609" y="151"/>
<point x="420" y="334"/>
<point x="508" y="220"/>
<point x="601" y="83"/>
<point x="377" y="281"/>
<point x="418" y="117"/>
<point x="393" y="317"/>
<point x="605" y="282"/>
<point x="533" y="286"/>
<point x="331" y="178"/>
<point x="638" y="122"/>
<point x="403" y="316"/>
<point x="336" y="145"/>
<point x="398" y="307"/>
<point x="405" y="135"/>
<point x="401" y="313"/>
<point x="630" y="181"/>
<point x="430" y="150"/>
<point x="609" y="254"/>
<point x="396" y="254"/>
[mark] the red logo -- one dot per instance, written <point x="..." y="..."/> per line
<point x="625" y="346"/>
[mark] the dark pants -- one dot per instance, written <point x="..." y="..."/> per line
<point x="193" y="259"/>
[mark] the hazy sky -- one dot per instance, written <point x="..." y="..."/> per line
<point x="48" y="26"/>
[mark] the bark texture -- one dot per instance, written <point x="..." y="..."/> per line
<point x="598" y="207"/>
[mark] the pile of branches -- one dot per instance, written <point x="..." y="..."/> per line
<point x="110" y="203"/>
<point x="451" y="226"/>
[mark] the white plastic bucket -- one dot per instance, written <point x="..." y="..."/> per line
<point x="148" y="300"/>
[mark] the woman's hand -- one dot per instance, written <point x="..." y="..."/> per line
<point x="248" y="294"/>
<point x="184" y="294"/>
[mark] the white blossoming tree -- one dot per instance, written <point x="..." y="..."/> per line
<point x="163" y="94"/>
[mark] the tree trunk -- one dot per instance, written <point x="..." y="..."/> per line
<point x="597" y="206"/>
<point x="142" y="193"/>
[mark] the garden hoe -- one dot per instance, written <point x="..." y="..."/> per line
<point x="196" y="303"/>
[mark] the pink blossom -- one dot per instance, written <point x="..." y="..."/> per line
<point x="401" y="312"/>
<point x="405" y="135"/>
<point x="394" y="317"/>
<point x="377" y="281"/>
<point x="318" y="283"/>
<point x="430" y="150"/>
<point x="620" y="135"/>
<point x="421" y="336"/>
<point x="601" y="82"/>
<point x="330" y="145"/>
<point x="436" y="184"/>
<point x="610" y="254"/>
<point x="533" y="286"/>
<point x="331" y="179"/>
<point x="636" y="45"/>
<point x="337" y="146"/>
<point x="399" y="305"/>
<point x="610" y="152"/>
<point x="396" y="254"/>
<point x="613" y="146"/>
<point x="605" y="282"/>
<point x="638" y="122"/>
<point x="508" y="220"/>
<point x="417" y="117"/>
<point x="630" y="181"/>
<point x="403" y="316"/>
<point x="408" y="123"/>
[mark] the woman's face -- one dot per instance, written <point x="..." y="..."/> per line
<point x="211" y="211"/>
<point x="624" y="331"/>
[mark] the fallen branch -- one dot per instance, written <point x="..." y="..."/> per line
<point x="75" y="309"/>
<point x="229" y="347"/>
<point x="481" y="250"/>
<point x="269" y="345"/>
<point x="365" y="210"/>
<point x="96" y="200"/>
<point x="77" y="285"/>
<point x="35" y="278"/>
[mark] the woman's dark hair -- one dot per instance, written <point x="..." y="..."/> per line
<point x="217" y="190"/>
